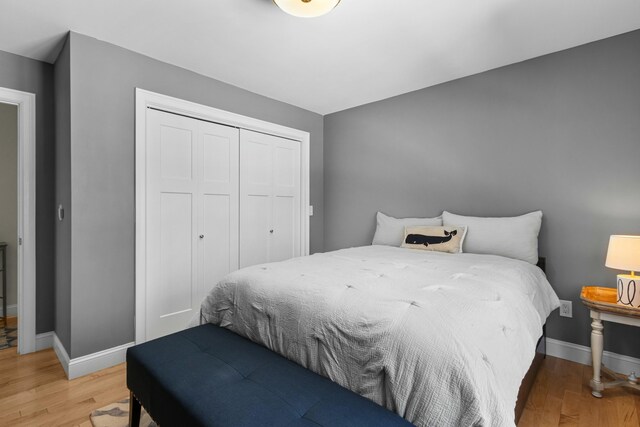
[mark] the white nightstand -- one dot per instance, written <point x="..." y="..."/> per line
<point x="603" y="307"/>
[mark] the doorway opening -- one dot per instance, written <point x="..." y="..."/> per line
<point x="17" y="221"/>
<point x="8" y="226"/>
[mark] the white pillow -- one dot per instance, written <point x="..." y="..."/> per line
<point x="512" y="237"/>
<point x="390" y="230"/>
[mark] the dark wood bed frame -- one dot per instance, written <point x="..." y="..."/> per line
<point x="541" y="353"/>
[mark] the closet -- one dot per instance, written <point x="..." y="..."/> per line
<point x="218" y="198"/>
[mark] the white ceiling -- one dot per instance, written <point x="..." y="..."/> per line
<point x="363" y="51"/>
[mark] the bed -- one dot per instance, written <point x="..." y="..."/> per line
<point x="441" y="339"/>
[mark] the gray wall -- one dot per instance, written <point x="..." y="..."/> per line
<point x="103" y="81"/>
<point x="62" y="84"/>
<point x="559" y="133"/>
<point x="9" y="195"/>
<point x="28" y="75"/>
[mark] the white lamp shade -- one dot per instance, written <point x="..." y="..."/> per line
<point x="624" y="253"/>
<point x="307" y="8"/>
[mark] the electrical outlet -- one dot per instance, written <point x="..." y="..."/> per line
<point x="566" y="309"/>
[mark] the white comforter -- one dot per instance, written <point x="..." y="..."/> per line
<point x="441" y="339"/>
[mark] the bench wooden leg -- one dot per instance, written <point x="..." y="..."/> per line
<point x="134" y="411"/>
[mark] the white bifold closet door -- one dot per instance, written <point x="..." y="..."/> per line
<point x="192" y="215"/>
<point x="269" y="198"/>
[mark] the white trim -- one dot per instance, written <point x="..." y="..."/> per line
<point x="94" y="362"/>
<point x="582" y="354"/>
<point x="44" y="341"/>
<point x="12" y="310"/>
<point x="26" y="103"/>
<point x="63" y="357"/>
<point x="90" y="363"/>
<point x="145" y="100"/>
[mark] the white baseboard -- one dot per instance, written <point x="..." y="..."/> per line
<point x="94" y="362"/>
<point x="90" y="363"/>
<point x="63" y="357"/>
<point x="44" y="341"/>
<point x="582" y="354"/>
<point x="12" y="310"/>
<point x="83" y="365"/>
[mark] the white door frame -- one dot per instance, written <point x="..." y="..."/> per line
<point x="146" y="99"/>
<point x="26" y="103"/>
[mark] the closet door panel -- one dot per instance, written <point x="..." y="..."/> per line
<point x="283" y="245"/>
<point x="256" y="177"/>
<point x="286" y="199"/>
<point x="286" y="167"/>
<point x="258" y="166"/>
<point x="269" y="198"/>
<point x="255" y="230"/>
<point x="218" y="152"/>
<point x="218" y="223"/>
<point x="176" y="240"/>
<point x="172" y="217"/>
<point x="176" y="151"/>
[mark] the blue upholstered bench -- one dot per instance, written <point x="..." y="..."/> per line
<point x="209" y="376"/>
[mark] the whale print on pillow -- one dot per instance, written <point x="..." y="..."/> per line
<point x="440" y="239"/>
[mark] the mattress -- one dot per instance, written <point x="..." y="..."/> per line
<point x="441" y="339"/>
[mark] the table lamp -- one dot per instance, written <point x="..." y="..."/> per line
<point x="624" y="254"/>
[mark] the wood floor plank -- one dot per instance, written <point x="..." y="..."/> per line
<point x="557" y="384"/>
<point x="34" y="391"/>
<point x="568" y="382"/>
<point x="573" y="377"/>
<point x="608" y="416"/>
<point x="551" y="412"/>
<point x="570" y="410"/>
<point x="589" y="411"/>
<point x="627" y="415"/>
<point x="528" y="418"/>
<point x="538" y="393"/>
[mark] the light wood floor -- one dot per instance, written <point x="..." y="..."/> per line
<point x="561" y="396"/>
<point x="35" y="392"/>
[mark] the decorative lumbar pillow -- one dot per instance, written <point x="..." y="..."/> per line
<point x="440" y="239"/>
<point x="390" y="230"/>
<point x="512" y="237"/>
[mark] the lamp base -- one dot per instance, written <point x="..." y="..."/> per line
<point x="629" y="290"/>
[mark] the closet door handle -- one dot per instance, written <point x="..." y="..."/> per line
<point x="202" y="236"/>
<point x="271" y="231"/>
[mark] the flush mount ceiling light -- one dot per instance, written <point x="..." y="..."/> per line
<point x="306" y="8"/>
